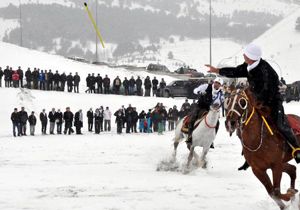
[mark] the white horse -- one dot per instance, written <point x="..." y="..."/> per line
<point x="203" y="135"/>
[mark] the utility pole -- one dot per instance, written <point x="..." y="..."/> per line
<point x="20" y="17"/>
<point x="96" y="32"/>
<point x="210" y="50"/>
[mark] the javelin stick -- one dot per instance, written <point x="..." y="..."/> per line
<point x="94" y="24"/>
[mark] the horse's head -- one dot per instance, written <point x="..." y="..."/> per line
<point x="236" y="106"/>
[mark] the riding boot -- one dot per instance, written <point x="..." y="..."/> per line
<point x="292" y="140"/>
<point x="288" y="134"/>
<point x="190" y="132"/>
<point x="245" y="166"/>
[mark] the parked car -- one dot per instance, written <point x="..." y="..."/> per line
<point x="189" y="71"/>
<point x="183" y="88"/>
<point x="157" y="67"/>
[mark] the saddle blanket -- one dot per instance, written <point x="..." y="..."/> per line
<point x="294" y="122"/>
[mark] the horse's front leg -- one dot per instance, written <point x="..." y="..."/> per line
<point x="265" y="180"/>
<point x="291" y="171"/>
<point x="176" y="143"/>
<point x="202" y="161"/>
<point x="191" y="154"/>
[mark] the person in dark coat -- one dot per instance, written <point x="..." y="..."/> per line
<point x="44" y="121"/>
<point x="56" y="80"/>
<point x="21" y="76"/>
<point x="99" y="82"/>
<point x="93" y="83"/>
<point x="90" y="116"/>
<point x="116" y="85"/>
<point x="6" y="76"/>
<point x="126" y="86"/>
<point x="119" y="120"/>
<point x="1" y="75"/>
<point x="154" y="86"/>
<point x="70" y="82"/>
<point x="68" y="118"/>
<point x="106" y="84"/>
<point x="76" y="82"/>
<point x="139" y="84"/>
<point x="88" y="83"/>
<point x="129" y="119"/>
<point x="147" y="85"/>
<point x="186" y="106"/>
<point x="97" y="117"/>
<point x="78" y="121"/>
<point x="135" y="118"/>
<point x="28" y="76"/>
<point x="63" y="79"/>
<point x="23" y="120"/>
<point x="142" y="120"/>
<point x="131" y="86"/>
<point x="58" y="120"/>
<point x="50" y="80"/>
<point x="263" y="82"/>
<point x="35" y="78"/>
<point x="52" y="120"/>
<point x="32" y="123"/>
<point x="15" y="118"/>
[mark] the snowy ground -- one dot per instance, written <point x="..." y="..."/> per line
<point x="110" y="171"/>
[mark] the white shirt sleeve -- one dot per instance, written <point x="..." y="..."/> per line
<point x="200" y="89"/>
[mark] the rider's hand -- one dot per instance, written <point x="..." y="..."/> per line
<point x="212" y="69"/>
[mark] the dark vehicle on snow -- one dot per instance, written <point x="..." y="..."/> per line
<point x="183" y="88"/>
<point x="189" y="71"/>
<point x="157" y="67"/>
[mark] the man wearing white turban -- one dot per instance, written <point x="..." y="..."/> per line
<point x="264" y="83"/>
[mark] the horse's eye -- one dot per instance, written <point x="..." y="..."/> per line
<point x="243" y="103"/>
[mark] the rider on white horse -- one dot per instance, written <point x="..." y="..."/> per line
<point x="208" y="94"/>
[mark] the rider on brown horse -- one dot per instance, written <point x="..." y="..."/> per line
<point x="263" y="82"/>
<point x="207" y="94"/>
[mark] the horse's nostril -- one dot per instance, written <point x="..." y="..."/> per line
<point x="232" y="123"/>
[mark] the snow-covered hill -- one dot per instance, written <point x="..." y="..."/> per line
<point x="281" y="44"/>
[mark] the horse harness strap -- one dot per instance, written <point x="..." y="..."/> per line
<point x="209" y="126"/>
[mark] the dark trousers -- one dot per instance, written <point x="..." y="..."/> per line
<point x="128" y="126"/>
<point x="44" y="127"/>
<point x="283" y="125"/>
<point x="70" y="88"/>
<point x="16" y="125"/>
<point x="99" y="89"/>
<point x="50" y="85"/>
<point x="119" y="127"/>
<point x="106" y="90"/>
<point x="68" y="128"/>
<point x="78" y="129"/>
<point x="76" y="88"/>
<point x="97" y="127"/>
<point x="90" y="125"/>
<point x="21" y="81"/>
<point x="42" y="85"/>
<point x="23" y="128"/>
<point x="147" y="92"/>
<point x="28" y="84"/>
<point x="58" y="128"/>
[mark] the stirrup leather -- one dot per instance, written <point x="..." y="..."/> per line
<point x="294" y="151"/>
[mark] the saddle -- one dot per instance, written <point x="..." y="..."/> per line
<point x="294" y="122"/>
<point x="187" y="119"/>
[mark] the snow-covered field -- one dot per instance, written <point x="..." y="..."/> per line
<point x="110" y="171"/>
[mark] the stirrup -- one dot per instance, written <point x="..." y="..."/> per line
<point x="294" y="151"/>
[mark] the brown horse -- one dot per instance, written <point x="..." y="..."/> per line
<point x="263" y="146"/>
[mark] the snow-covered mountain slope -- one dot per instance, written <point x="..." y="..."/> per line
<point x="15" y="56"/>
<point x="281" y="44"/>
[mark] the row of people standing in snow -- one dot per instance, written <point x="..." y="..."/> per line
<point x="132" y="86"/>
<point x="39" y="79"/>
<point x="154" y="120"/>
<point x="47" y="80"/>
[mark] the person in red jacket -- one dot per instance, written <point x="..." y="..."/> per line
<point x="15" y="79"/>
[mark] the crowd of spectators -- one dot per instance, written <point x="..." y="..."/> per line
<point x="156" y="119"/>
